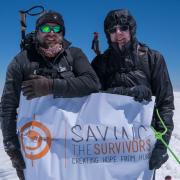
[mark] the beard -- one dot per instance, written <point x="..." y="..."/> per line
<point x="121" y="48"/>
<point x="49" y="40"/>
<point x="49" y="45"/>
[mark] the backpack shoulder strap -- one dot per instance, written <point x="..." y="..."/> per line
<point x="145" y="62"/>
<point x="69" y="58"/>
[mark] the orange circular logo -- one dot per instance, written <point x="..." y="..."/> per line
<point x="35" y="139"/>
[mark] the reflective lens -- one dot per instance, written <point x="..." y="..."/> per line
<point x="121" y="28"/>
<point x="47" y="28"/>
<point x="56" y="29"/>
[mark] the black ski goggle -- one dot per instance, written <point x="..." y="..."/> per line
<point x="122" y="28"/>
<point x="48" y="28"/>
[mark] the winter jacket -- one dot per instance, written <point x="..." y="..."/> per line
<point x="73" y="77"/>
<point x="144" y="67"/>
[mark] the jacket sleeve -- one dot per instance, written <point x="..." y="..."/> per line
<point x="10" y="101"/>
<point x="162" y="89"/>
<point x="84" y="82"/>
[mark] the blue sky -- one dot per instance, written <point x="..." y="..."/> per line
<point x="158" y="25"/>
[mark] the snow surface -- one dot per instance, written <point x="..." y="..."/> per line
<point x="171" y="167"/>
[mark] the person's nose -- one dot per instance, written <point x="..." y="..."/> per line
<point x="118" y="30"/>
<point x="51" y="32"/>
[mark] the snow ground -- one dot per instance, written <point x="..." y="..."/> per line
<point x="171" y="167"/>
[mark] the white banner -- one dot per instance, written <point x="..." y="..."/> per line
<point x="98" y="137"/>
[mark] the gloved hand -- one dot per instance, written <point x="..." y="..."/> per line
<point x="158" y="157"/>
<point x="129" y="79"/>
<point x="117" y="90"/>
<point x="140" y="93"/>
<point x="37" y="86"/>
<point x="122" y="79"/>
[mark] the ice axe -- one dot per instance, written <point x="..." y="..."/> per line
<point x="23" y="21"/>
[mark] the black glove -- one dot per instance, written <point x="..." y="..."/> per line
<point x="117" y="90"/>
<point x="129" y="79"/>
<point x="158" y="157"/>
<point x="122" y="79"/>
<point x="140" y="93"/>
<point x="37" y="86"/>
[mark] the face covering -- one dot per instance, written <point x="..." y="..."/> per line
<point x="50" y="50"/>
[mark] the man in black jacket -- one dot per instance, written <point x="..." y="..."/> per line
<point x="131" y="68"/>
<point x="47" y="66"/>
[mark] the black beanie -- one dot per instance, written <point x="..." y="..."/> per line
<point x="50" y="17"/>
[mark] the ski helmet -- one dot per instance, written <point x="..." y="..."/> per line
<point x="51" y="17"/>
